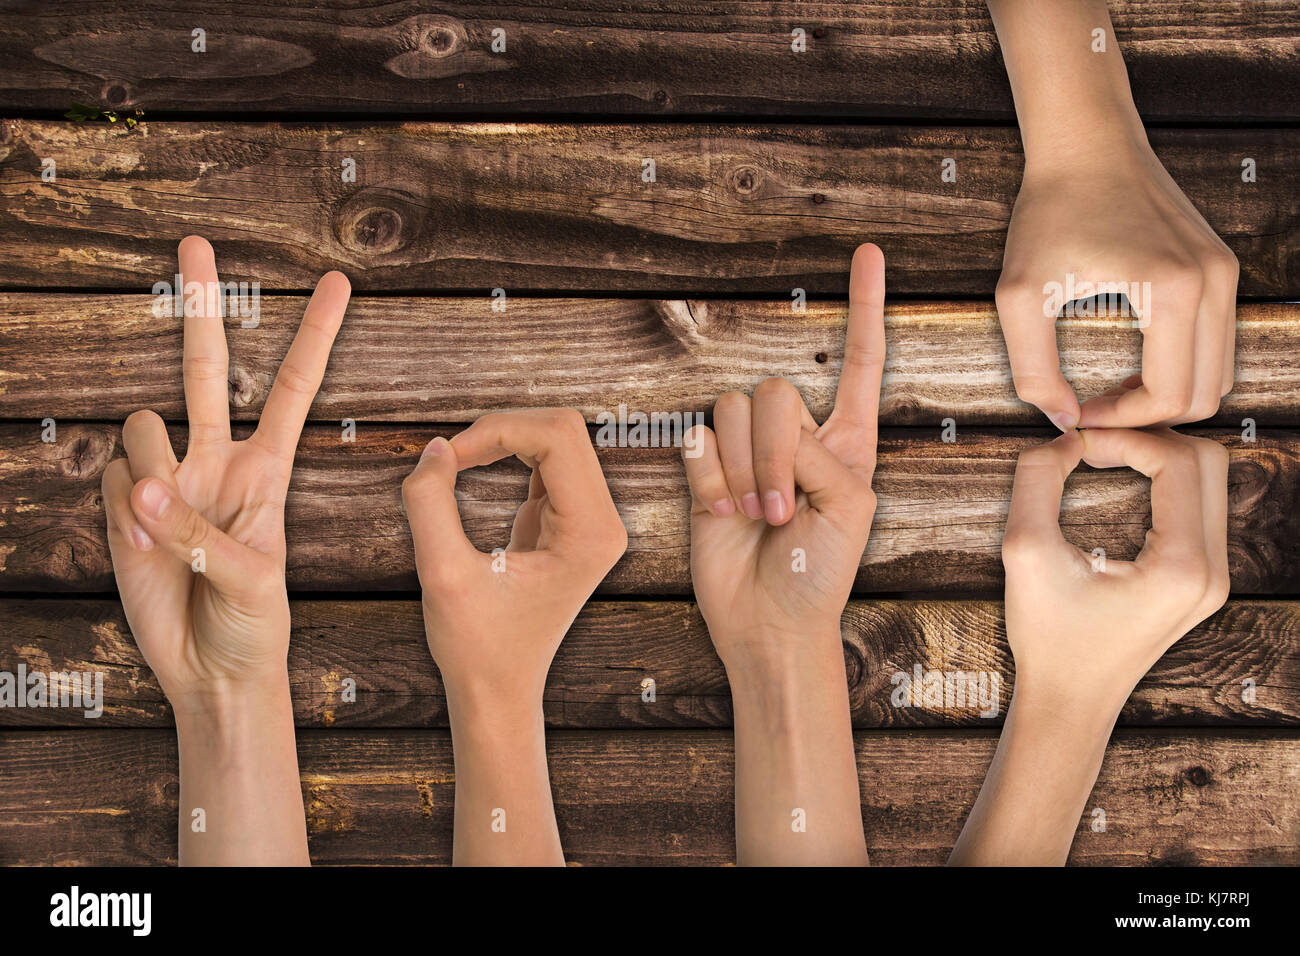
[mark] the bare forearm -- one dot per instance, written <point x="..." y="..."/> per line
<point x="504" y="811"/>
<point x="797" y="798"/>
<point x="1064" y="83"/>
<point x="241" y="796"/>
<point x="1036" y="789"/>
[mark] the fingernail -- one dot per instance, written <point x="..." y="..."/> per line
<point x="750" y="505"/>
<point x="723" y="507"/>
<point x="435" y="447"/>
<point x="154" y="499"/>
<point x="1064" y="421"/>
<point x="141" y="540"/>
<point x="774" y="504"/>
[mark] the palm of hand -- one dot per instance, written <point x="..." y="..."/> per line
<point x="239" y="488"/>
<point x="750" y="576"/>
<point x="499" y="592"/>
<point x="494" y="621"/>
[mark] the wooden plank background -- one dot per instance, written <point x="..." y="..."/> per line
<point x="563" y="207"/>
<point x="447" y="359"/>
<point x="522" y="171"/>
<point x="1209" y="60"/>
<point x="938" y="523"/>
<point x="596" y="680"/>
<point x="637" y="797"/>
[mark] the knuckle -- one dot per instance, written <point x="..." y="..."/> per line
<point x="739" y="474"/>
<point x="440" y="576"/>
<point x="1172" y="401"/>
<point x="265" y="574"/>
<point x="1223" y="261"/>
<point x="566" y="423"/>
<point x="204" y="368"/>
<point x="1180" y="455"/>
<point x="867" y="499"/>
<point x="1219" y="589"/>
<point x="869" y="356"/>
<point x="1205" y="405"/>
<point x="615" y="537"/>
<point x="1039" y="456"/>
<point x="1216" y="454"/>
<point x="604" y="539"/>
<point x="1033" y="389"/>
<point x="295" y="380"/>
<point x="1186" y="578"/>
<point x="770" y="465"/>
<point x="1010" y="291"/>
<point x="1020" y="548"/>
<point x="204" y="433"/>
<point x="191" y="528"/>
<point x="1182" y="282"/>
<point x="415" y="487"/>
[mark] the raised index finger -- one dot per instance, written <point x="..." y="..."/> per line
<point x="857" y="399"/>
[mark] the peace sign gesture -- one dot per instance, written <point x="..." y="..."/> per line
<point x="781" y="507"/>
<point x="198" y="545"/>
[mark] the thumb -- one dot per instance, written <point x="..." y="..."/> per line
<point x="831" y="486"/>
<point x="1034" y="517"/>
<point x="429" y="498"/>
<point x="189" y="537"/>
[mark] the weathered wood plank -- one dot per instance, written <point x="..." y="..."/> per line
<point x="613" y="646"/>
<point x="1203" y="60"/>
<point x="70" y="356"/>
<point x="85" y="797"/>
<point x="560" y="207"/>
<point x="938" y="524"/>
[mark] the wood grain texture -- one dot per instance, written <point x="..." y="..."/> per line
<point x="98" y="357"/>
<point x="597" y="678"/>
<point x="643" y="797"/>
<point x="560" y="207"/>
<point x="938" y="525"/>
<point x="1205" y="60"/>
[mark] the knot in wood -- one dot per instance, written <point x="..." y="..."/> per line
<point x="685" y="321"/>
<point x="440" y="41"/>
<point x="378" y="222"/>
<point x="745" y="179"/>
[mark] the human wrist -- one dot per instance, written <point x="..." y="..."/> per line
<point x="1067" y="702"/>
<point x="230" y="701"/>
<point x="762" y="651"/>
<point x="230" y="721"/>
<point x="496" y="704"/>
<point x="1114" y="154"/>
<point x="783" y="684"/>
